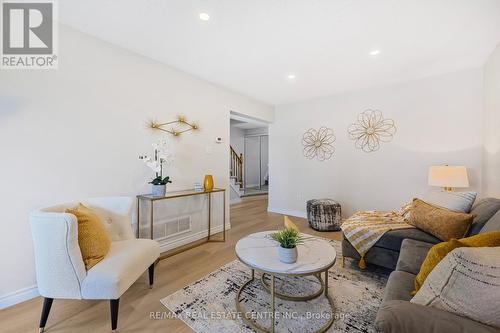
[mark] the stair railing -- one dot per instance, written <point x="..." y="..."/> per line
<point x="236" y="166"/>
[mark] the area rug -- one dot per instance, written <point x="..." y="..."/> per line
<point x="208" y="305"/>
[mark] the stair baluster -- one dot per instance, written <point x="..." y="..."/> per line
<point x="236" y="166"/>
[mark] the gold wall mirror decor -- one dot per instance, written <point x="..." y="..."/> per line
<point x="175" y="127"/>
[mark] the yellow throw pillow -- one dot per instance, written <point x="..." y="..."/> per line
<point x="92" y="235"/>
<point x="439" y="251"/>
<point x="440" y="222"/>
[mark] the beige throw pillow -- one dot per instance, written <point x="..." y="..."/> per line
<point x="439" y="222"/>
<point x="467" y="283"/>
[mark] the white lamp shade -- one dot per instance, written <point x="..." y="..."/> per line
<point x="448" y="176"/>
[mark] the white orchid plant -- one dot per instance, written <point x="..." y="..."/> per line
<point x="162" y="157"/>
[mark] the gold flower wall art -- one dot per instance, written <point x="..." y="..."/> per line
<point x="318" y="143"/>
<point x="370" y="130"/>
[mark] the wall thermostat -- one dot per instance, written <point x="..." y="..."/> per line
<point x="218" y="140"/>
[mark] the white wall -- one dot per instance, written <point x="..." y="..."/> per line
<point x="438" y="121"/>
<point x="77" y="132"/>
<point x="491" y="125"/>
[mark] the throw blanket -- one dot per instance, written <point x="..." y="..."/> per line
<point x="364" y="229"/>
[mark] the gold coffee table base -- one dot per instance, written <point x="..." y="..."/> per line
<point x="294" y="298"/>
<point x="271" y="290"/>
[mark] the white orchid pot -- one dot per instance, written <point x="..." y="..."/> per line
<point x="159" y="190"/>
<point x="288" y="256"/>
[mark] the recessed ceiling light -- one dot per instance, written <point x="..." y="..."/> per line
<point x="204" y="16"/>
<point x="374" y="52"/>
<point x="291" y="76"/>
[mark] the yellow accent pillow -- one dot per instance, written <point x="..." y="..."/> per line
<point x="439" y="251"/>
<point x="289" y="224"/>
<point x="92" y="235"/>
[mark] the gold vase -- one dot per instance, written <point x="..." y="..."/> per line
<point x="208" y="183"/>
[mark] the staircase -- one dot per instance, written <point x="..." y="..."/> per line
<point x="236" y="170"/>
<point x="236" y="175"/>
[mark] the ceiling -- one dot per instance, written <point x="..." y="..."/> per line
<point x="247" y="125"/>
<point x="251" y="46"/>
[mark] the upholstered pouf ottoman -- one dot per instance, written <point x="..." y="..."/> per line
<point x="324" y="214"/>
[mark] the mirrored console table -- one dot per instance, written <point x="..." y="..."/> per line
<point x="150" y="200"/>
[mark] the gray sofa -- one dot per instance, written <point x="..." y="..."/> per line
<point x="396" y="314"/>
<point x="385" y="252"/>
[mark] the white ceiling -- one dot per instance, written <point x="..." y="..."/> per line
<point x="247" y="125"/>
<point x="250" y="46"/>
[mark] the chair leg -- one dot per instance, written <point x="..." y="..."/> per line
<point x="47" y="304"/>
<point x="151" y="275"/>
<point x="114" y="305"/>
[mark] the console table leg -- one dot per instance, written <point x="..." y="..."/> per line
<point x="151" y="217"/>
<point x="326" y="282"/>
<point x="138" y="233"/>
<point x="224" y="216"/>
<point x="272" y="304"/>
<point x="209" y="214"/>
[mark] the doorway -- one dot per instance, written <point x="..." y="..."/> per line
<point x="249" y="157"/>
<point x="256" y="163"/>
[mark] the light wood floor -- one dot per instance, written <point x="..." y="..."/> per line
<point x="139" y="301"/>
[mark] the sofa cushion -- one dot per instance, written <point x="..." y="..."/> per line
<point x="434" y="256"/>
<point x="385" y="252"/>
<point x="376" y="255"/>
<point x="443" y="223"/>
<point x="439" y="251"/>
<point x="456" y="201"/>
<point x="393" y="239"/>
<point x="412" y="255"/>
<point x="465" y="282"/>
<point x="405" y="317"/>
<point x="126" y="261"/>
<point x="483" y="210"/>
<point x="493" y="224"/>
<point x="399" y="286"/>
<point x="93" y="238"/>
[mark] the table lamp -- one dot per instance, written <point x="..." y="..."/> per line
<point x="448" y="177"/>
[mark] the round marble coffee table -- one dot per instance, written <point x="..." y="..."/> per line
<point x="260" y="253"/>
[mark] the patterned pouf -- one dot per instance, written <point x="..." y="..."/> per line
<point x="324" y="214"/>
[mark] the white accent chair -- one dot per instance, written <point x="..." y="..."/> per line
<point x="60" y="271"/>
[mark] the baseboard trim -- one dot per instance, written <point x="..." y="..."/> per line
<point x="297" y="213"/>
<point x="18" y="296"/>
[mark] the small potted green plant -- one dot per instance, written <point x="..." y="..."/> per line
<point x="160" y="186"/>
<point x="288" y="240"/>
